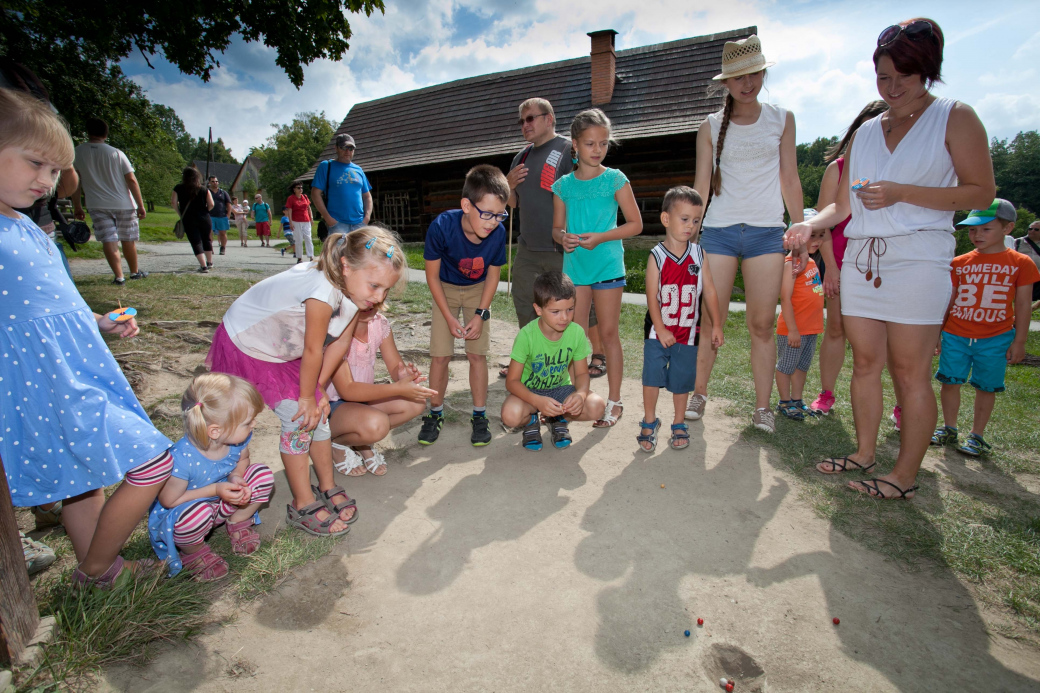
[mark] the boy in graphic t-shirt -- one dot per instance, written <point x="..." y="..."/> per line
<point x="982" y="333"/>
<point x="539" y="378"/>
<point x="464" y="253"/>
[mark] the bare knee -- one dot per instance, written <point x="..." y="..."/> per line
<point x="760" y="328"/>
<point x="413" y="409"/>
<point x="515" y="411"/>
<point x="440" y="361"/>
<point x="373" y="427"/>
<point x="477" y="359"/>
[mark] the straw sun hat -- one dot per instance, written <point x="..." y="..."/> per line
<point x="742" y="58"/>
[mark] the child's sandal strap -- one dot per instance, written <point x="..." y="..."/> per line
<point x="680" y="436"/>
<point x="337" y="508"/>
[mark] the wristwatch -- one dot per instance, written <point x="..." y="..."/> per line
<point x="484" y="313"/>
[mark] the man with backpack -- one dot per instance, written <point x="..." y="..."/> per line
<point x="340" y="191"/>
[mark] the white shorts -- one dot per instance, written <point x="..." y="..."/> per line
<point x="111" y="225"/>
<point x="915" y="278"/>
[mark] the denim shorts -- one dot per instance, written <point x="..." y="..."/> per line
<point x="741" y="240"/>
<point x="344" y="227"/>
<point x="674" y="368"/>
<point x="985" y="360"/>
<point x="608" y="284"/>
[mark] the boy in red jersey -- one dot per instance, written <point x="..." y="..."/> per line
<point x="676" y="279"/>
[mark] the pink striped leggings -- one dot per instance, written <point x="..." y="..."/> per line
<point x="201" y="516"/>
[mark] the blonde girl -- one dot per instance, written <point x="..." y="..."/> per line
<point x="213" y="482"/>
<point x="585" y="207"/>
<point x="746" y="163"/>
<point x="274" y="334"/>
<point x="363" y="413"/>
<point x="69" y="422"/>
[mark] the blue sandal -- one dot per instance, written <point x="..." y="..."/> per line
<point x="648" y="438"/>
<point x="680" y="434"/>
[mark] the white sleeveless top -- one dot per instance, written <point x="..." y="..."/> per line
<point x="920" y="158"/>
<point x="750" y="192"/>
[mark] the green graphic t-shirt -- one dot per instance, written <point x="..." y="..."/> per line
<point x="546" y="362"/>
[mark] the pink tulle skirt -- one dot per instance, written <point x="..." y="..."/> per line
<point x="274" y="381"/>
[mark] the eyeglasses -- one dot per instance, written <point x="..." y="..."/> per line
<point x="529" y="119"/>
<point x="488" y="216"/>
<point x="915" y="31"/>
<point x="348" y="148"/>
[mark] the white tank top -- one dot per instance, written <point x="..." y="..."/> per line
<point x="920" y="158"/>
<point x="750" y="192"/>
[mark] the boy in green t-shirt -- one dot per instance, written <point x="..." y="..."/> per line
<point x="539" y="378"/>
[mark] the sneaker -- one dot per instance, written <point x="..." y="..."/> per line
<point x="695" y="407"/>
<point x="975" y="446"/>
<point x="788" y="409"/>
<point x="823" y="403"/>
<point x="897" y="416"/>
<point x="481" y="431"/>
<point x="532" y="439"/>
<point x="46" y="519"/>
<point x="203" y="270"/>
<point x="221" y="250"/>
<point x="764" y="420"/>
<point x="431" y="428"/>
<point x="209" y="265"/>
<point x="944" y="435"/>
<point x="37" y="556"/>
<point x="139" y="275"/>
<point x="119" y="281"/>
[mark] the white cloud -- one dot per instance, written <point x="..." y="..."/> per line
<point x="1007" y="114"/>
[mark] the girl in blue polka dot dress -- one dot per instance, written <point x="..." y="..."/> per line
<point x="69" y="423"/>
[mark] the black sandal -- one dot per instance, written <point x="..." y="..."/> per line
<point x="532" y="436"/>
<point x="561" y="435"/>
<point x="335" y="508"/>
<point x="598" y="370"/>
<point x="841" y="464"/>
<point x="875" y="492"/>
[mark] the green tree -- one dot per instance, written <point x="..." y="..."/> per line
<point x="1016" y="167"/>
<point x="172" y="124"/>
<point x="290" y="152"/>
<point x="221" y="154"/>
<point x="815" y="154"/>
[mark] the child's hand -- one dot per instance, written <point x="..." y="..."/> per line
<point x="309" y="413"/>
<point x="232" y="493"/>
<point x="588" y="241"/>
<point x="457" y="332"/>
<point x="794" y="339"/>
<point x="125" y="330"/>
<point x="1017" y="352"/>
<point x="570" y="241"/>
<point x="325" y="407"/>
<point x="938" y="347"/>
<point x="666" y="338"/>
<point x="717" y="339"/>
<point x="408" y="371"/>
<point x="797" y="235"/>
<point x="831" y="284"/>
<point x="574" y="403"/>
<point x="550" y="407"/>
<point x="474" y="327"/>
<point x="800" y="260"/>
<point x="413" y="391"/>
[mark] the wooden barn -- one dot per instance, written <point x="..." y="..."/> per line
<point x="416" y="147"/>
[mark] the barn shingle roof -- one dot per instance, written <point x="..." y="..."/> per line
<point x="660" y="90"/>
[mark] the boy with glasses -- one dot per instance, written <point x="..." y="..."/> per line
<point x="464" y="253"/>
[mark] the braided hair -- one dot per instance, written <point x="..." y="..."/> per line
<point x="716" y="173"/>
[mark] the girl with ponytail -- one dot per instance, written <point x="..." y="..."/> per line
<point x="746" y="164"/>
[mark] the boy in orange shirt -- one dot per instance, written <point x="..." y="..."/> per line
<point x="800" y="323"/>
<point x="982" y="333"/>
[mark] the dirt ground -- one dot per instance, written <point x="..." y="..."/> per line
<point x="501" y="569"/>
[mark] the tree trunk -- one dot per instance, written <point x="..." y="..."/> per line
<point x="18" y="614"/>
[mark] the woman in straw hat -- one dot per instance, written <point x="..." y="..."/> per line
<point x="746" y="160"/>
<point x="913" y="166"/>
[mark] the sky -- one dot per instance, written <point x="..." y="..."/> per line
<point x="824" y="72"/>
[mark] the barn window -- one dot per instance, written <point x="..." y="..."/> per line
<point x="397" y="209"/>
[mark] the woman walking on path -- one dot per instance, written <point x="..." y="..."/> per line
<point x="922" y="160"/>
<point x="193" y="202"/>
<point x="832" y="349"/>
<point x="746" y="159"/>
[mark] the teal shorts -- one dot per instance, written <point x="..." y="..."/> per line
<point x="984" y="361"/>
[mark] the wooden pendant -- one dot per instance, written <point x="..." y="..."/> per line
<point x="870" y="275"/>
<point x="877" y="283"/>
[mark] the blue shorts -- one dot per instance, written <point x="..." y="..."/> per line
<point x="220" y="223"/>
<point x="984" y="359"/>
<point x="674" y="368"/>
<point x="344" y="227"/>
<point x="741" y="240"/>
<point x="608" y="284"/>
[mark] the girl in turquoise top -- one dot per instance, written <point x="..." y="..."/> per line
<point x="585" y="207"/>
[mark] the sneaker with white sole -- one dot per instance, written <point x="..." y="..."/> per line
<point x="764" y="420"/>
<point x="897" y="417"/>
<point x="823" y="403"/>
<point x="695" y="407"/>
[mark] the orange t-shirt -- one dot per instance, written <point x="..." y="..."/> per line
<point x="984" y="288"/>
<point x="807" y="300"/>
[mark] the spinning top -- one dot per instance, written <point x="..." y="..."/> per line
<point x="123" y="314"/>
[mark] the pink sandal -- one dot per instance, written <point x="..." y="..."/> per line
<point x="204" y="565"/>
<point x="115" y="573"/>
<point x="244" y="539"/>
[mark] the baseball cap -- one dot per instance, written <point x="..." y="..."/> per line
<point x="344" y="141"/>
<point x="1000" y="209"/>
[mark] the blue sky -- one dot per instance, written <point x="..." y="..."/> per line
<point x="823" y="50"/>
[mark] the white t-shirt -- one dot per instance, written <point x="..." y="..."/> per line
<point x="102" y="170"/>
<point x="267" y="321"/>
<point x="750" y="191"/>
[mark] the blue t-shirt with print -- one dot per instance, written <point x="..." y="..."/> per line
<point x="463" y="262"/>
<point x="344" y="199"/>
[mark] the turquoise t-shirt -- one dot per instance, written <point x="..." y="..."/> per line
<point x="591" y="208"/>
<point x="545" y="361"/>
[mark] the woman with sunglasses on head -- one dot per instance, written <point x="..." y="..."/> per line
<point x="909" y="169"/>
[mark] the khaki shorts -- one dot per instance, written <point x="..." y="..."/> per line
<point x="466" y="299"/>
<point x="112" y="225"/>
<point x="527" y="265"/>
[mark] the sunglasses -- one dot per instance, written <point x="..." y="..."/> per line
<point x="488" y="216"/>
<point x="349" y="147"/>
<point x="529" y="119"/>
<point x="915" y="31"/>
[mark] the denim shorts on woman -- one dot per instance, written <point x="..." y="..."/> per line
<point x="741" y="240"/>
<point x="608" y="284"/>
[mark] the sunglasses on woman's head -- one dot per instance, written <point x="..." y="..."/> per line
<point x="915" y="31"/>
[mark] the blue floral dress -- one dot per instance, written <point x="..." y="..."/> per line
<point x="198" y="470"/>
<point x="69" y="422"/>
<point x="591" y="208"/>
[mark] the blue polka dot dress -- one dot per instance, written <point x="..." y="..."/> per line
<point x="69" y="422"/>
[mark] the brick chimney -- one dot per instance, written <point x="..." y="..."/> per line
<point x="603" y="66"/>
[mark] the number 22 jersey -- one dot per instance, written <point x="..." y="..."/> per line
<point x="678" y="293"/>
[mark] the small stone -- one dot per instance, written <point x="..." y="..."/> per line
<point x="837" y="620"/>
<point x="686" y="633"/>
<point x="662" y="485"/>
